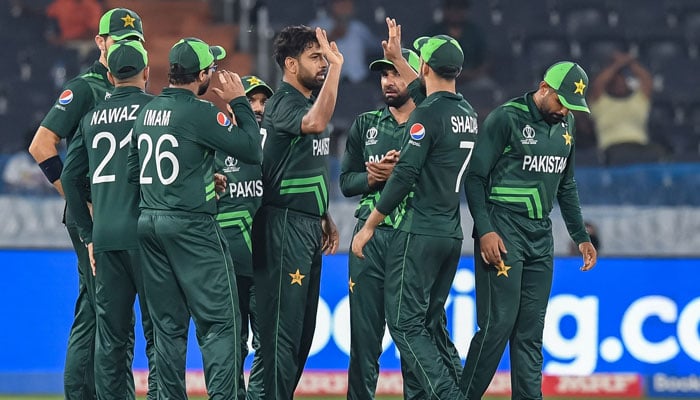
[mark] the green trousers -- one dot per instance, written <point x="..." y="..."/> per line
<point x="420" y="271"/>
<point x="287" y="278"/>
<point x="187" y="271"/>
<point x="367" y="321"/>
<point x="78" y="375"/>
<point x="117" y="283"/>
<point x="511" y="307"/>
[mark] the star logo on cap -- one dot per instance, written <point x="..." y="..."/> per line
<point x="297" y="277"/>
<point x="579" y="87"/>
<point x="128" y="21"/>
<point x="567" y="137"/>
<point x="253" y="81"/>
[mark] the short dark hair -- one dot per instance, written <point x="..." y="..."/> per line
<point x="176" y="76"/>
<point x="448" y="73"/>
<point x="292" y="41"/>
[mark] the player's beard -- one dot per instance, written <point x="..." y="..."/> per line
<point x="203" y="88"/>
<point x="553" y="118"/>
<point x="309" y="80"/>
<point x="397" y="100"/>
<point x="258" y="117"/>
<point x="421" y="79"/>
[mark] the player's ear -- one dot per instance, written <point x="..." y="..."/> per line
<point x="146" y="73"/>
<point x="100" y="42"/>
<point x="110" y="77"/>
<point x="291" y="64"/>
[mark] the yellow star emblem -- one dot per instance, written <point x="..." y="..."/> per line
<point x="128" y="21"/>
<point x="254" y="80"/>
<point x="567" y="137"/>
<point x="579" y="87"/>
<point x="502" y="269"/>
<point x="297" y="277"/>
<point x="352" y="285"/>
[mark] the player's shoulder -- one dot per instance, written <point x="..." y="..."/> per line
<point x="369" y="116"/>
<point x="514" y="106"/>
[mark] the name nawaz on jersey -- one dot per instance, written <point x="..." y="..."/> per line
<point x="547" y="164"/>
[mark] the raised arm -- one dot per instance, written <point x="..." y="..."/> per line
<point x="620" y="60"/>
<point x="316" y="120"/>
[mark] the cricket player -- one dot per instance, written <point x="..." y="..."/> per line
<point x="237" y="206"/>
<point x="523" y="160"/>
<point x="371" y="151"/>
<point x="293" y="226"/>
<point x="99" y="150"/>
<point x="187" y="266"/>
<point x="79" y="95"/>
<point x="424" y="253"/>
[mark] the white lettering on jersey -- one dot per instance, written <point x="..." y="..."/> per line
<point x="114" y="115"/>
<point x="546" y="164"/>
<point x="375" y="158"/>
<point x="321" y="147"/>
<point x="464" y="124"/>
<point x="157" y="118"/>
<point x="246" y="189"/>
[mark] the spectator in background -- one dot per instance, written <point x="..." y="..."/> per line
<point x="620" y="112"/>
<point x="75" y="22"/>
<point x="353" y="37"/>
<point x="75" y="19"/>
<point x="456" y="22"/>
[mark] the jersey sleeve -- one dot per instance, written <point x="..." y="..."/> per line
<point x="242" y="140"/>
<point x="416" y="91"/>
<point x="287" y="116"/>
<point x="73" y="103"/>
<point x="490" y="144"/>
<point x="353" y="174"/>
<point x="567" y="197"/>
<point x="73" y="179"/>
<point x="423" y="135"/>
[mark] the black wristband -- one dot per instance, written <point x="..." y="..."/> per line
<point x="52" y="168"/>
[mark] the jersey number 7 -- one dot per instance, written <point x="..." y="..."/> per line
<point x="464" y="144"/>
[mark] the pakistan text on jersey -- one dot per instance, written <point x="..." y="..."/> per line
<point x="547" y="164"/>
<point x="115" y="115"/>
<point x="246" y="189"/>
<point x="464" y="124"/>
<point x="156" y="118"/>
<point x="375" y="158"/>
<point x="321" y="147"/>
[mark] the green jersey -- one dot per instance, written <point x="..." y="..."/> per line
<point x="100" y="150"/>
<point x="243" y="195"/>
<point x="79" y="96"/>
<point x="371" y="136"/>
<point x="295" y="165"/>
<point x="172" y="149"/>
<point x="442" y="131"/>
<point x="521" y="163"/>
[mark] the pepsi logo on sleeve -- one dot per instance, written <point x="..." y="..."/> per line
<point x="222" y="119"/>
<point x="417" y="131"/>
<point x="66" y="97"/>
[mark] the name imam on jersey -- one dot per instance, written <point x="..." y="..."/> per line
<point x="115" y="115"/>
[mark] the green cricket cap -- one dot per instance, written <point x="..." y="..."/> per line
<point x="408" y="54"/>
<point x="440" y="51"/>
<point x="120" y="23"/>
<point x="194" y="55"/>
<point x="570" y="81"/>
<point x="252" y="82"/>
<point x="126" y="58"/>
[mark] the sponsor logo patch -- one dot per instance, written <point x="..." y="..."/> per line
<point x="66" y="97"/>
<point x="417" y="131"/>
<point x="222" y="119"/>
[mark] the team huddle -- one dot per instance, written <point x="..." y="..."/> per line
<point x="220" y="215"/>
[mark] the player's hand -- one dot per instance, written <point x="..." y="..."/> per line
<point x="391" y="156"/>
<point x="91" y="255"/>
<point x="392" y="46"/>
<point x="379" y="171"/>
<point x="360" y="240"/>
<point x="331" y="238"/>
<point x="220" y="182"/>
<point x="329" y="49"/>
<point x="590" y="255"/>
<point x="491" y="248"/>
<point x="231" y="86"/>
